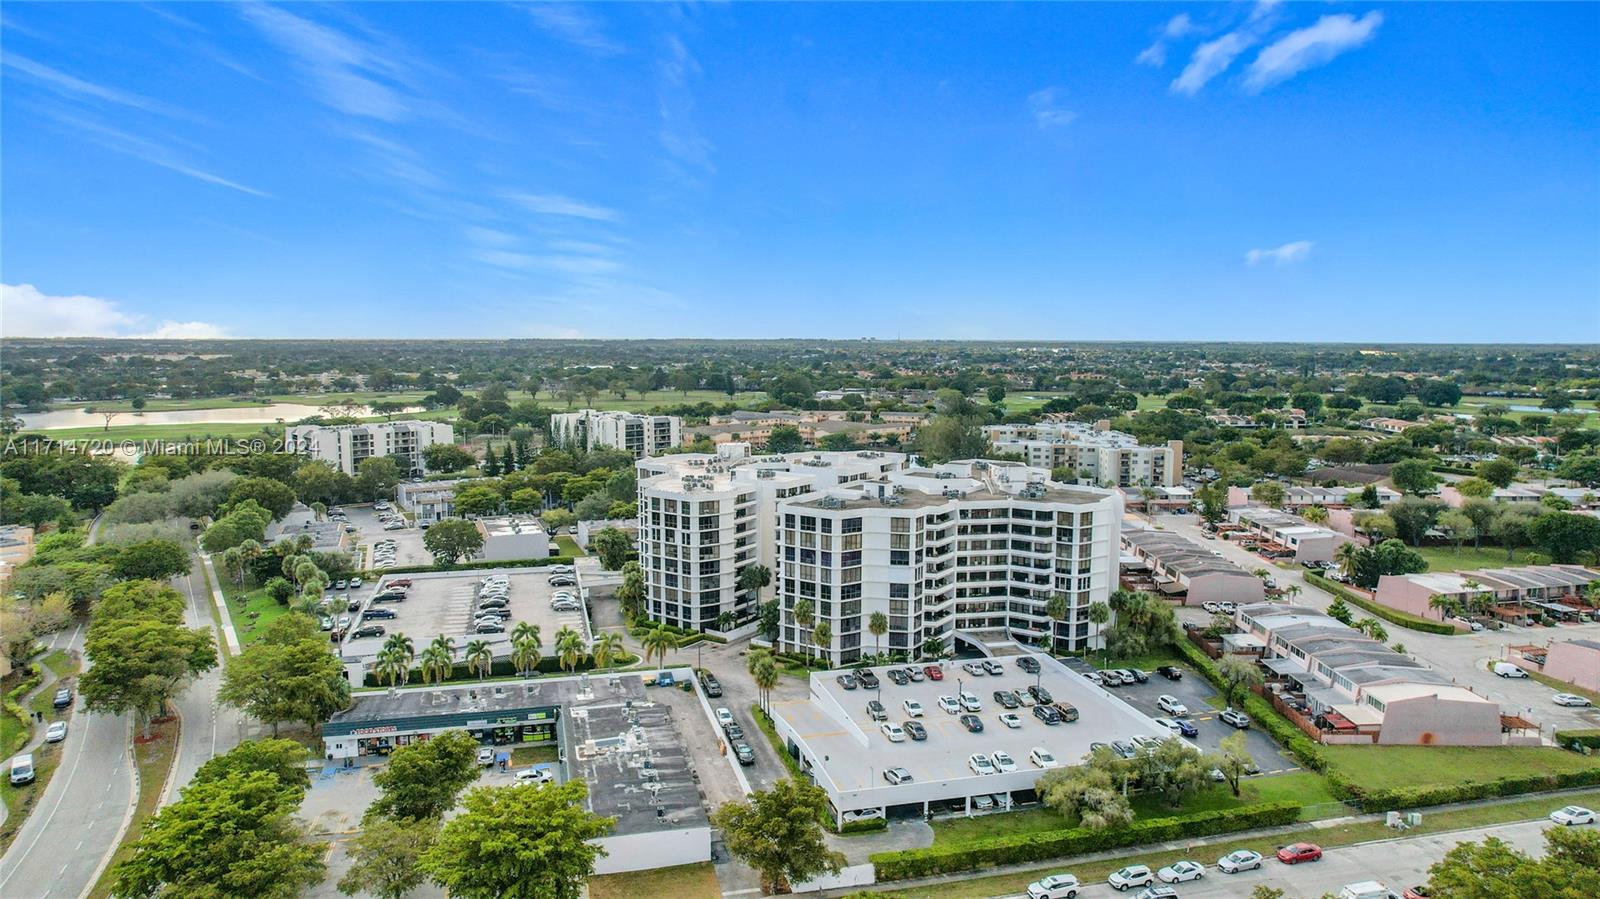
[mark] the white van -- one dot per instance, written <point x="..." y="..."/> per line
<point x="1367" y="889"/>
<point x="22" y="770"/>
<point x="1506" y="669"/>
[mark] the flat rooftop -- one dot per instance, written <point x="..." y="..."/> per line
<point x="942" y="758"/>
<point x="634" y="759"/>
<point x="444" y="604"/>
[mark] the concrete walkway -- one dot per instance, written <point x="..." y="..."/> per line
<point x="229" y="635"/>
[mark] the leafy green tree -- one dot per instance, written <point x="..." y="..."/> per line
<point x="1499" y="472"/>
<point x="276" y="497"/>
<point x="1566" y="537"/>
<point x="956" y="432"/>
<point x="1493" y="869"/>
<point x="1413" y="476"/>
<point x="376" y="478"/>
<point x="140" y="663"/>
<point x="1090" y="793"/>
<point x="446" y="457"/>
<point x="286" y="675"/>
<point x="247" y="521"/>
<point x="1238" y="675"/>
<point x="1582" y="466"/>
<point x="1339" y="611"/>
<point x="423" y="780"/>
<point x="452" y="539"/>
<point x="778" y="832"/>
<point x="557" y="520"/>
<point x="1513" y="528"/>
<point x="521" y="842"/>
<point x="1474" y="487"/>
<point x="385" y="857"/>
<point x="280" y="590"/>
<point x="612" y="546"/>
<point x="283" y="759"/>
<point x="477" y="500"/>
<point x="1268" y="493"/>
<point x="1234" y="760"/>
<point x="155" y="559"/>
<point x="233" y="836"/>
<point x="1413" y="516"/>
<point x="785" y="439"/>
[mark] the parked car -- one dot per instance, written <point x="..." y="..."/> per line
<point x="1234" y="718"/>
<point x="1055" y="886"/>
<point x="973" y="668"/>
<point x="984" y="802"/>
<point x="894" y="732"/>
<point x="1168" y="723"/>
<point x="542" y="775"/>
<point x="377" y="630"/>
<point x="1024" y="699"/>
<point x="1067" y="711"/>
<point x="1041" y="758"/>
<point x="980" y="764"/>
<point x="1006" y="698"/>
<point x="915" y="730"/>
<point x="990" y="666"/>
<point x="912" y="708"/>
<point x="876" y="710"/>
<point x="1296" y="853"/>
<point x="63" y="698"/>
<point x="1124" y="748"/>
<point x="22" y="769"/>
<point x="1170" y="704"/>
<point x="1003" y="762"/>
<point x="1239" y="860"/>
<point x="1573" y="814"/>
<point x="489" y="627"/>
<point x="1211" y="606"/>
<point x="56" y="732"/>
<point x="949" y="705"/>
<point x="486" y="756"/>
<point x="970" y="701"/>
<point x="710" y="684"/>
<point x="1179" y="872"/>
<point x="1138" y="674"/>
<point x="1420" y="891"/>
<point x="1570" y="699"/>
<point x="1187" y="728"/>
<point x="846" y="681"/>
<point x="1028" y="664"/>
<point x="915" y="675"/>
<point x="1170" y="672"/>
<point x="1040" y="694"/>
<point x="1110" y="679"/>
<point x="1047" y="714"/>
<point x="377" y="614"/>
<point x="1158" y="891"/>
<point x="897" y="775"/>
<point x="1010" y="719"/>
<point x="1506" y="669"/>
<point x="869" y="681"/>
<point x="898" y="676"/>
<point x="934" y="672"/>
<point x="1131" y="876"/>
<point x="972" y="723"/>
<point x="724" y="717"/>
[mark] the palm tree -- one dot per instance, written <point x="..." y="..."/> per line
<point x="319" y="509"/>
<point x="445" y="645"/>
<point x="525" y="655"/>
<point x="726" y="621"/>
<point x="1446" y="606"/>
<point x="1347" y="555"/>
<point x="480" y="658"/>
<point x="878" y="625"/>
<point x="657" y="644"/>
<point x="804" y="614"/>
<point x="570" y="648"/>
<point x="436" y="664"/>
<point x="391" y="665"/>
<point x="606" y="649"/>
<point x="1099" y="614"/>
<point x="525" y="631"/>
<point x="1373" y="628"/>
<point x="1056" y="609"/>
<point x="403" y="644"/>
<point x="1292" y="591"/>
<point x="822" y="637"/>
<point x="764" y="671"/>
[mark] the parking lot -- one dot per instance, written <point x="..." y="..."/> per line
<point x="369" y="530"/>
<point x="445" y="604"/>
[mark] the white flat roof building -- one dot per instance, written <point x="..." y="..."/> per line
<point x="346" y="446"/>
<point x="1095" y="453"/>
<point x="642" y="435"/>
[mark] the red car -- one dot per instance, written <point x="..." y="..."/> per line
<point x="934" y="672"/>
<point x="398" y="582"/>
<point x="1419" y="891"/>
<point x="1300" y="852"/>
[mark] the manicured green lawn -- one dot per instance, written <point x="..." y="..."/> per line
<point x="1445" y="558"/>
<point x="60" y="663"/>
<point x="257" y="612"/>
<point x="638" y="402"/>
<point x="696" y="881"/>
<point x="1384" y="767"/>
<point x="1303" y="787"/>
<point x="566" y="546"/>
<point x="13" y="733"/>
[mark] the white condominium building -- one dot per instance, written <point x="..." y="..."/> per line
<point x="971" y="550"/>
<point x="345" y="446"/>
<point x="1095" y="453"/>
<point x="642" y="435"/>
<point x="704" y="517"/>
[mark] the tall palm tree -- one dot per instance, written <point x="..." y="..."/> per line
<point x="1292" y="591"/>
<point x="480" y="658"/>
<point x="764" y="671"/>
<point x="319" y="509"/>
<point x="1056" y="608"/>
<point x="606" y="649"/>
<point x="445" y="645"/>
<point x="570" y="648"/>
<point x="402" y="643"/>
<point x="878" y="625"/>
<point x="526" y="631"/>
<point x="804" y="615"/>
<point x="1446" y="606"/>
<point x="525" y="655"/>
<point x="1347" y="555"/>
<point x="1373" y="628"/>
<point x="436" y="664"/>
<point x="657" y="644"/>
<point x="391" y="665"/>
<point x="822" y="638"/>
<point x="1099" y="614"/>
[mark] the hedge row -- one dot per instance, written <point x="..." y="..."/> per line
<point x="470" y="565"/>
<point x="1393" y="616"/>
<point x="1034" y="847"/>
<point x="1589" y="738"/>
<point x="686" y="637"/>
<point x="1305" y="750"/>
<point x="461" y="673"/>
<point x="1418" y="797"/>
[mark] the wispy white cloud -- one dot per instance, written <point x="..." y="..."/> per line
<point x="490" y="237"/>
<point x="349" y="75"/>
<point x="554" y="204"/>
<point x="1213" y="57"/>
<point x="573" y="24"/>
<point x="26" y="311"/>
<point x="688" y="149"/>
<point x="1179" y="26"/>
<point x="147" y="150"/>
<point x="1048" y="113"/>
<point x="1310" y="47"/>
<point x="79" y="89"/>
<point x="1295" y="251"/>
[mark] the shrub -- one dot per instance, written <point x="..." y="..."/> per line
<point x="1393" y="616"/>
<point x="1034" y="847"/>
<point x="1587" y="738"/>
<point x="1440" y="794"/>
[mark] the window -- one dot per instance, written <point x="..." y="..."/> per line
<point x="899" y="557"/>
<point x="850" y="526"/>
<point x="901" y="590"/>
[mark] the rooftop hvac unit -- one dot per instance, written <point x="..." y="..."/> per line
<point x="944" y="475"/>
<point x="831" y="502"/>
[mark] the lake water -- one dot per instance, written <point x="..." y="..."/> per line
<point x="77" y="418"/>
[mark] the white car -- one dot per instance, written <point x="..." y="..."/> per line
<point x="1056" y="886"/>
<point x="1178" y="872"/>
<point x="1042" y="758"/>
<point x="912" y="707"/>
<point x="1130" y="877"/>
<point x="1573" y="814"/>
<point x="949" y="704"/>
<point x="1571" y="699"/>
<point x="897" y="776"/>
<point x="893" y="731"/>
<point x="724" y="717"/>
<point x="980" y="764"/>
<point x="56" y="732"/>
<point x="970" y="703"/>
<point x="1211" y="607"/>
<point x="1170" y="704"/>
<point x="486" y="756"/>
<point x="1009" y="719"/>
<point x="1003" y="762"/>
<point x="535" y="776"/>
<point x="1239" y="860"/>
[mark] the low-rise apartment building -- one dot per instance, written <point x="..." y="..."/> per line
<point x="1095" y="453"/>
<point x="430" y="501"/>
<point x="1527" y="591"/>
<point x="1183" y="569"/>
<point x="512" y="537"/>
<point x="345" y="447"/>
<point x="1288" y="535"/>
<point x="641" y="435"/>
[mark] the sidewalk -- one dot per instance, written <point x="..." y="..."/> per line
<point x="228" y="633"/>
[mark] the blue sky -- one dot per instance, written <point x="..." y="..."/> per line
<point x="1357" y="171"/>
